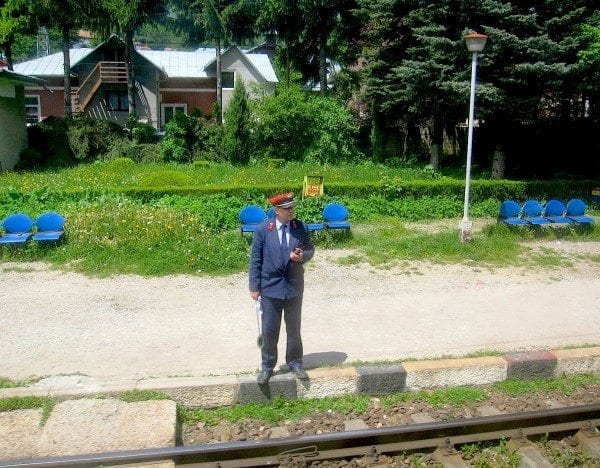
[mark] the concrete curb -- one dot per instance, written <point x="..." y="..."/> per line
<point x="210" y="392"/>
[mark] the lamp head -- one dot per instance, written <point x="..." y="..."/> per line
<point x="475" y="41"/>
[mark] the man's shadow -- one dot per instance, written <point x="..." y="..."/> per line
<point x="314" y="360"/>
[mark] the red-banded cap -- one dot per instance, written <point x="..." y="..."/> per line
<point x="283" y="200"/>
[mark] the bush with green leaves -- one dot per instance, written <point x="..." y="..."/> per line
<point x="179" y="136"/>
<point x="140" y="132"/>
<point x="209" y="138"/>
<point x="143" y="133"/>
<point x="90" y="139"/>
<point x="48" y="145"/>
<point x="300" y="126"/>
<point x="237" y="132"/>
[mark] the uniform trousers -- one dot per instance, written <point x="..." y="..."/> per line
<point x="273" y="309"/>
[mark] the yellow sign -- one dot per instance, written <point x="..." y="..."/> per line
<point x="312" y="186"/>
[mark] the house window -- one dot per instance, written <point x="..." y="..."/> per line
<point x="169" y="110"/>
<point x="227" y="79"/>
<point x="117" y="100"/>
<point x="32" y="109"/>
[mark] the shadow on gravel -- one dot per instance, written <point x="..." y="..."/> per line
<point x="329" y="358"/>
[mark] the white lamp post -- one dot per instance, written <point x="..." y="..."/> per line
<point x="475" y="43"/>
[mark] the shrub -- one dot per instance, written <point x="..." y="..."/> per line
<point x="284" y="125"/>
<point x="30" y="158"/>
<point x="299" y="126"/>
<point x="49" y="140"/>
<point x="209" y="137"/>
<point x="92" y="138"/>
<point x="144" y="133"/>
<point x="141" y="132"/>
<point x="179" y="138"/>
<point x="237" y="136"/>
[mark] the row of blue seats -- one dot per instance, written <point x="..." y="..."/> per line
<point x="335" y="216"/>
<point x="554" y="212"/>
<point x="19" y="228"/>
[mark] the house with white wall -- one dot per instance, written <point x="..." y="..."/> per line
<point x="13" y="129"/>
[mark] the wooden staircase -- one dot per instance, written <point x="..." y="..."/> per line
<point x="103" y="72"/>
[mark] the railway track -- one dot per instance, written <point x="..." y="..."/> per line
<point x="369" y="445"/>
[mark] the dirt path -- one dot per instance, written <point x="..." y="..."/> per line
<point x="56" y="323"/>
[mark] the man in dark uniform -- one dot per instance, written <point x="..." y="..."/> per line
<point x="279" y="248"/>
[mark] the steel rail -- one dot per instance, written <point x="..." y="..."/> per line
<point x="344" y="444"/>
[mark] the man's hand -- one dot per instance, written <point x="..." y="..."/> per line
<point x="255" y="295"/>
<point x="297" y="255"/>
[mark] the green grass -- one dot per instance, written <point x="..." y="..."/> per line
<point x="118" y="236"/>
<point x="279" y="410"/>
<point x="143" y="395"/>
<point x="10" y="383"/>
<point x="294" y="410"/>
<point x="28" y="402"/>
<point x="120" y="173"/>
<point x="567" y="385"/>
<point x="108" y="233"/>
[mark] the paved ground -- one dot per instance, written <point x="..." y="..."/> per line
<point x="189" y="335"/>
<point x="56" y="323"/>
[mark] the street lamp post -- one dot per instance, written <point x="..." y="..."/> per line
<point x="475" y="43"/>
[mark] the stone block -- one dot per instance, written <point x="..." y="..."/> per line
<point x="454" y="372"/>
<point x="196" y="392"/>
<point x="104" y="425"/>
<point x="577" y="361"/>
<point x="19" y="433"/>
<point x="381" y="379"/>
<point x="279" y="386"/>
<point x="531" y="365"/>
<point x="327" y="382"/>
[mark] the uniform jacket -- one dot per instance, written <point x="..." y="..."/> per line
<point x="269" y="272"/>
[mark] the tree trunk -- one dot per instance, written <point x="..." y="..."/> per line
<point x="498" y="163"/>
<point x="437" y="141"/>
<point x="219" y="84"/>
<point x="67" y="72"/>
<point x="130" y="71"/>
<point x="8" y="55"/>
<point x="323" y="64"/>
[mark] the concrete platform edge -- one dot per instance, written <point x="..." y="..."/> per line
<point x="215" y="391"/>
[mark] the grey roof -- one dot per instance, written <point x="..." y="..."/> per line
<point x="180" y="64"/>
<point x="262" y="63"/>
<point x="175" y="64"/>
<point x="50" y="65"/>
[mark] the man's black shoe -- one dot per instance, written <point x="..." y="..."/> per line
<point x="299" y="372"/>
<point x="264" y="377"/>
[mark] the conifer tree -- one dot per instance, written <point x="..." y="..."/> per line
<point x="236" y="136"/>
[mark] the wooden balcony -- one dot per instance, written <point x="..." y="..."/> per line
<point x="103" y="72"/>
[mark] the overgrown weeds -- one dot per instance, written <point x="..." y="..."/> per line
<point x="109" y="232"/>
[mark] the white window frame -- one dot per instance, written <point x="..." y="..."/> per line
<point x="175" y="106"/>
<point x="38" y="106"/>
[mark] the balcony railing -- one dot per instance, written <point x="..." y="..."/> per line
<point x="103" y="72"/>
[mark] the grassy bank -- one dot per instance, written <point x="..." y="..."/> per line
<point x="110" y="233"/>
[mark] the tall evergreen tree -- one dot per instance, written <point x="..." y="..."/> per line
<point x="419" y="66"/>
<point x="314" y="32"/>
<point x="237" y="135"/>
